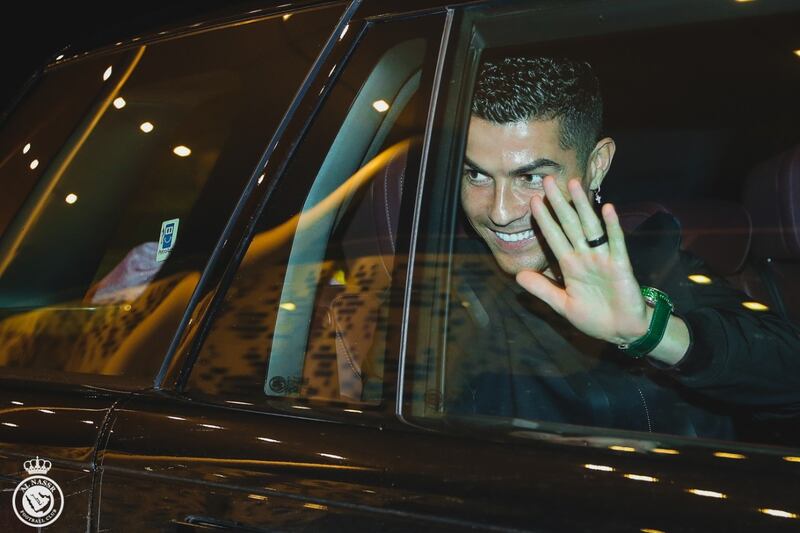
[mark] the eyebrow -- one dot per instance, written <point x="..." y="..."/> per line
<point x="519" y="171"/>
<point x="534" y="166"/>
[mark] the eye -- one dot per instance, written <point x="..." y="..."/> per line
<point x="533" y="180"/>
<point x="475" y="177"/>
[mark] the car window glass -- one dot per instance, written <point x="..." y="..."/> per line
<point x="308" y="311"/>
<point x="701" y="169"/>
<point x="121" y="195"/>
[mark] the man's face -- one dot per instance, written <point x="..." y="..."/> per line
<point x="503" y="168"/>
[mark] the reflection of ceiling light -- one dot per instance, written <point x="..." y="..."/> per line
<point x="380" y="105"/>
<point x="289" y="306"/>
<point x="700" y="279"/>
<point x="601" y="468"/>
<point x="107" y="73"/>
<point x="649" y="530"/>
<point x="315" y="506"/>
<point x="331" y="456"/>
<point x="182" y="151"/>
<point x="34" y="164"/>
<point x="267" y="439"/>
<point x="26" y="148"/>
<point x="797" y="52"/>
<point x="146" y="127"/>
<point x="665" y="451"/>
<point x="743" y="1"/>
<point x="71" y="198"/>
<point x="790" y="458"/>
<point x="10" y="424"/>
<point x="755" y="306"/>
<point x="727" y="455"/>
<point x="344" y="32"/>
<point x="119" y="102"/>
<point x="287" y="17"/>
<point x="622" y="448"/>
<point x="638" y="477"/>
<point x="60" y="57"/>
<point x="778" y="513"/>
<point x="707" y="493"/>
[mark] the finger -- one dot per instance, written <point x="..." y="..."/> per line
<point x="544" y="289"/>
<point x="552" y="232"/>
<point x="567" y="216"/>
<point x="592" y="227"/>
<point x="616" y="237"/>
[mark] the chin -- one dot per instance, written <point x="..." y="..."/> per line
<point x="515" y="265"/>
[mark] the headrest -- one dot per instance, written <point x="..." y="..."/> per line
<point x="772" y="195"/>
<point x="717" y="231"/>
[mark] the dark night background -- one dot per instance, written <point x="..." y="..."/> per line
<point x="32" y="32"/>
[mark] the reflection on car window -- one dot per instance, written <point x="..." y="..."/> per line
<point x="308" y="311"/>
<point x="121" y="201"/>
<point x="558" y="304"/>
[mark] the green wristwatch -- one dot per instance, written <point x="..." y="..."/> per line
<point x="662" y="309"/>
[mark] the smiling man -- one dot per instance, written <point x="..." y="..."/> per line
<point x="577" y="307"/>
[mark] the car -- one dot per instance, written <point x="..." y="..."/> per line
<point x="232" y="260"/>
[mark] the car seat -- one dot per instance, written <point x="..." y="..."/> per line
<point x="352" y="307"/>
<point x="772" y="196"/>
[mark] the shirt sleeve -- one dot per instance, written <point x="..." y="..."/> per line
<point x="736" y="355"/>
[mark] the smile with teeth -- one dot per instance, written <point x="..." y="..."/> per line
<point x="514" y="237"/>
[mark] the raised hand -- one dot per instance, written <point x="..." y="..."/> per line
<point x="600" y="296"/>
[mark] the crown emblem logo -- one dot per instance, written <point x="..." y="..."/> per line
<point x="37" y="466"/>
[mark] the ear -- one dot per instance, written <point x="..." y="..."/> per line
<point x="600" y="162"/>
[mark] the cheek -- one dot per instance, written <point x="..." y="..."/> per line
<point x="474" y="200"/>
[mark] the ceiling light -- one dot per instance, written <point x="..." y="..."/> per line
<point x="755" y="306"/>
<point x="182" y="151"/>
<point x="700" y="279"/>
<point x="380" y="105"/>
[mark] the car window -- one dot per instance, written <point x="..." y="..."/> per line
<point x="308" y="312"/>
<point x="123" y="169"/>
<point x="691" y="134"/>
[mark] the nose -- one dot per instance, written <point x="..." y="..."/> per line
<point x="507" y="206"/>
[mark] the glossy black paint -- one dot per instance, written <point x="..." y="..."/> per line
<point x="61" y="423"/>
<point x="260" y="466"/>
<point x="161" y="461"/>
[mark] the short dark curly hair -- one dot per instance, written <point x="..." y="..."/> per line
<point x="517" y="89"/>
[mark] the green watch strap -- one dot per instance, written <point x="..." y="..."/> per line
<point x="662" y="309"/>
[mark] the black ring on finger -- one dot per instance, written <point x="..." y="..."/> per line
<point x="594" y="243"/>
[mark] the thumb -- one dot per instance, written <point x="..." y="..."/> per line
<point x="543" y="288"/>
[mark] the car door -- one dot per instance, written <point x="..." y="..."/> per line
<point x="254" y="433"/>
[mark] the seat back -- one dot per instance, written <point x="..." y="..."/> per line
<point x="351" y="311"/>
<point x="772" y="196"/>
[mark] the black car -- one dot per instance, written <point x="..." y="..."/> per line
<point x="233" y="291"/>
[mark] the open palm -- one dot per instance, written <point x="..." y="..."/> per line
<point x="600" y="295"/>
